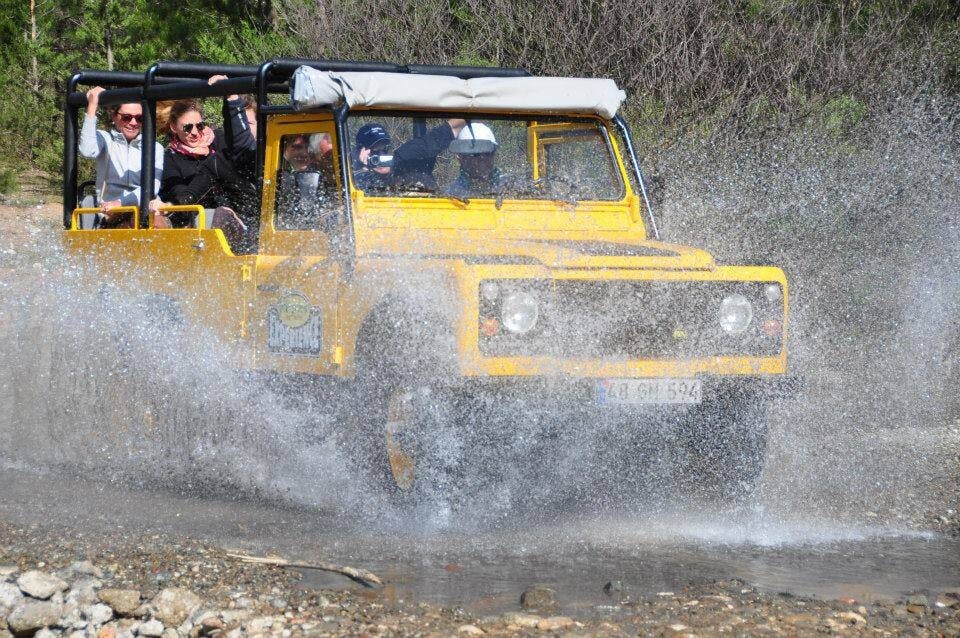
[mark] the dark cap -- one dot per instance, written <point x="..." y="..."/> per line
<point x="371" y="135"/>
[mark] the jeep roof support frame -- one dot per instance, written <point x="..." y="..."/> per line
<point x="625" y="130"/>
<point x="349" y="255"/>
<point x="176" y="80"/>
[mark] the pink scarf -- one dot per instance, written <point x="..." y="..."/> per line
<point x="194" y="151"/>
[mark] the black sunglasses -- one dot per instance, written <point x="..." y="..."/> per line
<point x="127" y="117"/>
<point x="187" y="128"/>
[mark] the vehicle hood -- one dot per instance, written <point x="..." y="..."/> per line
<point x="552" y="252"/>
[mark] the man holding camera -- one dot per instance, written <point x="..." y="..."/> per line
<point x="409" y="167"/>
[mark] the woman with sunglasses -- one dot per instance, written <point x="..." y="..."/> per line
<point x="117" y="153"/>
<point x="197" y="171"/>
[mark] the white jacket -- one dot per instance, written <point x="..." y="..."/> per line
<point x="118" y="163"/>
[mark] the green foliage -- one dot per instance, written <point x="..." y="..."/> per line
<point x="128" y="35"/>
<point x="8" y="182"/>
<point x="695" y="67"/>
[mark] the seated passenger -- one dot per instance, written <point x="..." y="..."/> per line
<point x="476" y="150"/>
<point x="118" y="155"/>
<point x="410" y="167"/>
<point x="306" y="194"/>
<point x="197" y="173"/>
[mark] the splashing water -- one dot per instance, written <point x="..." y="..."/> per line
<point x="865" y="225"/>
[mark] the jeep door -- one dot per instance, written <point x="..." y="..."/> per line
<point x="297" y="274"/>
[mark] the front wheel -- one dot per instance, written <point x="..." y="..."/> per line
<point x="725" y="443"/>
<point x="405" y="440"/>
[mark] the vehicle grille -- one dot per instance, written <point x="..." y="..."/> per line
<point x="634" y="320"/>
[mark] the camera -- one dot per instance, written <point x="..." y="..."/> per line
<point x="380" y="161"/>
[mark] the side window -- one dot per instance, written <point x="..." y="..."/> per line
<point x="308" y="190"/>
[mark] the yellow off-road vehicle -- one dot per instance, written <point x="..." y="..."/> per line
<point x="460" y="237"/>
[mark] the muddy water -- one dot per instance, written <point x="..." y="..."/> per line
<point x="484" y="570"/>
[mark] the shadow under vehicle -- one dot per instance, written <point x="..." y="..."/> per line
<point x="428" y="308"/>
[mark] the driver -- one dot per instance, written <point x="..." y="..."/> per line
<point x="476" y="150"/>
<point x="305" y="184"/>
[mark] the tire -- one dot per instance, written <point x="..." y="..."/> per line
<point x="403" y="424"/>
<point x="951" y="384"/>
<point x="724" y="445"/>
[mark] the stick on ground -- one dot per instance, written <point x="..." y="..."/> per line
<point x="362" y="576"/>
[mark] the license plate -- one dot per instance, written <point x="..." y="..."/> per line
<point x="648" y="391"/>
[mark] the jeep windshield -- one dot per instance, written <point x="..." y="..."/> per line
<point x="559" y="159"/>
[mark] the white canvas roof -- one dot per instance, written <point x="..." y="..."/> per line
<point x="314" y="88"/>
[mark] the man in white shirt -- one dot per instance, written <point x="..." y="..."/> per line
<point x="118" y="154"/>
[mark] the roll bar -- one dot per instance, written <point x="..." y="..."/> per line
<point x="177" y="80"/>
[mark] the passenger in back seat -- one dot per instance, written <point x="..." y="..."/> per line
<point x="118" y="156"/>
<point x="197" y="172"/>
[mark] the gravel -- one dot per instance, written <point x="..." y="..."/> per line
<point x="225" y="598"/>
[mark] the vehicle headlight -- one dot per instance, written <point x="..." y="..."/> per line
<point x="772" y="292"/>
<point x="736" y="313"/>
<point x="519" y="312"/>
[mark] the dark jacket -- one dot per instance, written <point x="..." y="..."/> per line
<point x="413" y="164"/>
<point x="214" y="180"/>
<point x="239" y="144"/>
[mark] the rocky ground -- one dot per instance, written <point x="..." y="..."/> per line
<point x="120" y="586"/>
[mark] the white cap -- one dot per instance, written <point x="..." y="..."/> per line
<point x="474" y="138"/>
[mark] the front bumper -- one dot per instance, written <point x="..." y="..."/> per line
<point x="583" y="392"/>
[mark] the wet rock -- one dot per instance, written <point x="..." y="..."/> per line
<point x="261" y="623"/>
<point x="554" y="623"/>
<point x="127" y="627"/>
<point x="851" y="618"/>
<point x="40" y="585"/>
<point x="84" y="591"/>
<point x="107" y="632"/>
<point x="32" y="616"/>
<point x="538" y="597"/>
<point x="173" y="605"/>
<point x="233" y="616"/>
<point x="947" y="598"/>
<point x="124" y="602"/>
<point x="72" y="617"/>
<point x="170" y="632"/>
<point x="7" y="572"/>
<point x="210" y="624"/>
<point x="46" y="633"/>
<point x="515" y="619"/>
<point x="84" y="568"/>
<point x="917" y="605"/>
<point x="470" y="630"/>
<point x="795" y="620"/>
<point x="98" y="614"/>
<point x="10" y="597"/>
<point x="151" y="629"/>
<point x="613" y="587"/>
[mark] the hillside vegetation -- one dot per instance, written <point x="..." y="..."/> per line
<point x="696" y="66"/>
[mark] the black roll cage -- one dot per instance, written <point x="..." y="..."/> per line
<point x="176" y="80"/>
